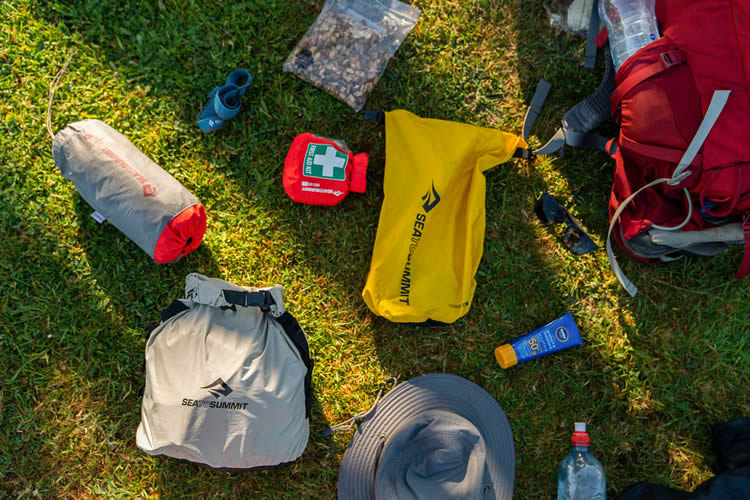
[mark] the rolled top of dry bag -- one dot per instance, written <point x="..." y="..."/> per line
<point x="131" y="191"/>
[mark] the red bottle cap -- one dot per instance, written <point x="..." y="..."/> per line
<point x="580" y="436"/>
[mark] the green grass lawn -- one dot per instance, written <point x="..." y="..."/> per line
<point x="656" y="371"/>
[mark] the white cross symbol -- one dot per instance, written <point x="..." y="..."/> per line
<point x="329" y="161"/>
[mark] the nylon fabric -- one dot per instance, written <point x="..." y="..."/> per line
<point x="182" y="235"/>
<point x="378" y="459"/>
<point x="660" y="116"/>
<point x="437" y="454"/>
<point x="430" y="234"/>
<point x="132" y="192"/>
<point x="228" y="388"/>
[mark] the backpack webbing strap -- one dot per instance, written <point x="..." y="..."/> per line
<point x="580" y="120"/>
<point x="715" y="107"/>
<point x="537" y="102"/>
<point x="261" y="298"/>
<point x="666" y="61"/>
<point x="624" y="281"/>
<point x="570" y="137"/>
<point x="297" y="336"/>
<point x="589" y="58"/>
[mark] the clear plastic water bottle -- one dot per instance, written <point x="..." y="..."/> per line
<point x="581" y="476"/>
<point x="631" y="25"/>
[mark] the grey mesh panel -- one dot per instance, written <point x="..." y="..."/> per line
<point x="263" y="420"/>
<point x="135" y="194"/>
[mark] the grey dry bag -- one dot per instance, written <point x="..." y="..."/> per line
<point x="125" y="187"/>
<point x="228" y="379"/>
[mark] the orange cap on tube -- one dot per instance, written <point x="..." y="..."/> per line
<point x="506" y="356"/>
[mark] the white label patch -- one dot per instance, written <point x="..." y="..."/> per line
<point x="98" y="217"/>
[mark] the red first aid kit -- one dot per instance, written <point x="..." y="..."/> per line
<point x="320" y="171"/>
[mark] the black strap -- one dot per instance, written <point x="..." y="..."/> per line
<point x="375" y="116"/>
<point x="175" y="308"/>
<point x="525" y="153"/>
<point x="540" y="95"/>
<point x="589" y="58"/>
<point x="297" y="336"/>
<point x="150" y="329"/>
<point x="261" y="298"/>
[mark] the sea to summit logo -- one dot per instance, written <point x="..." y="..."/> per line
<point x="223" y="390"/>
<point x="149" y="191"/>
<point x="431" y="199"/>
<point x="217" y="388"/>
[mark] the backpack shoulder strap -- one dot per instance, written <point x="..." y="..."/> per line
<point x="581" y="120"/>
<point x="589" y="58"/>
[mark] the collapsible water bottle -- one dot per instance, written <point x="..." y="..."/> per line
<point x="581" y="476"/>
<point x="631" y="25"/>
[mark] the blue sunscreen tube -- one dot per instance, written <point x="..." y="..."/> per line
<point x="556" y="336"/>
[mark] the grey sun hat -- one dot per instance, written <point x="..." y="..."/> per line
<point x="433" y="436"/>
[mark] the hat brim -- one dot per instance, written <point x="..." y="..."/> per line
<point x="428" y="392"/>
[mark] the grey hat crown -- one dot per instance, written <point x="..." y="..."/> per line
<point x="434" y="436"/>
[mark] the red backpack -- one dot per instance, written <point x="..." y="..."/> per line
<point x="681" y="183"/>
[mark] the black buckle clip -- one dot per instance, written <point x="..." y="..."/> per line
<point x="262" y="299"/>
<point x="525" y="154"/>
<point x="375" y="116"/>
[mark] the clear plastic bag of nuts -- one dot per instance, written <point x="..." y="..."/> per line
<point x="347" y="48"/>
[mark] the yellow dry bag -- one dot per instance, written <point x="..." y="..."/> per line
<point x="431" y="230"/>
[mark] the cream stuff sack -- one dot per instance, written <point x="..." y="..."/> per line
<point x="126" y="188"/>
<point x="431" y="231"/>
<point x="228" y="379"/>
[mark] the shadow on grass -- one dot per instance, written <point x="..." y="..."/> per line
<point x="78" y="354"/>
<point x="79" y="342"/>
<point x="664" y="369"/>
<point x="146" y="49"/>
<point x="257" y="236"/>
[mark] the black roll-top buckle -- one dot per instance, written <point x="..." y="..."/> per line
<point x="262" y="299"/>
